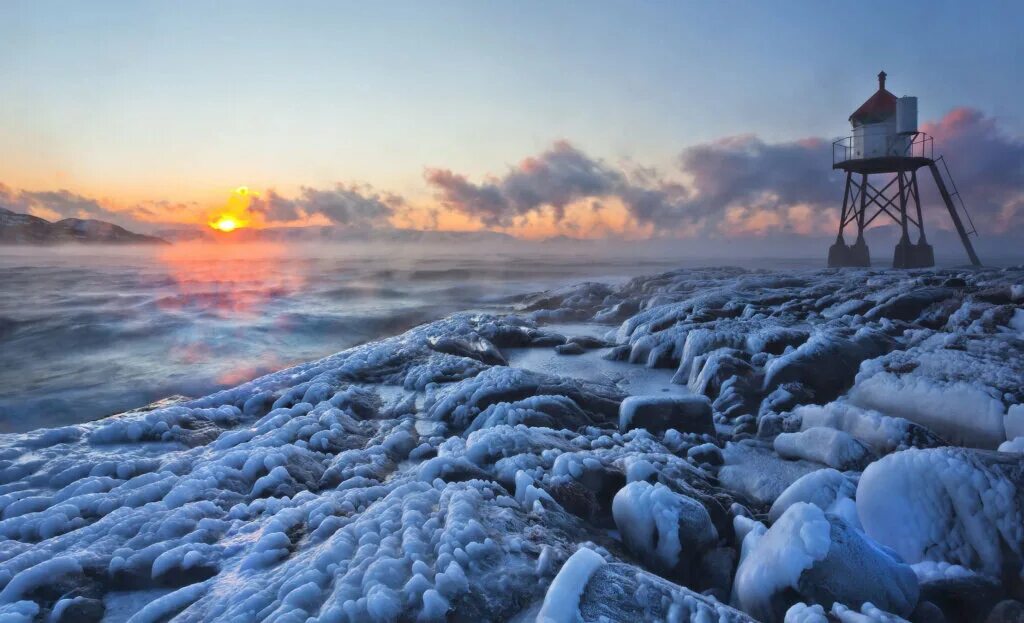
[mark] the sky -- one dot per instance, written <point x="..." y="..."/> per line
<point x="588" y="119"/>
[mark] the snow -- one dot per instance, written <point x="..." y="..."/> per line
<point x="561" y="603"/>
<point x="466" y="470"/>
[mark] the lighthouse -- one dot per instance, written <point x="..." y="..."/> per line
<point x="881" y="160"/>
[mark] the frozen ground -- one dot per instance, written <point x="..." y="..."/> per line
<point x="801" y="447"/>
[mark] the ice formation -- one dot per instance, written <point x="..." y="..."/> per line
<point x="721" y="445"/>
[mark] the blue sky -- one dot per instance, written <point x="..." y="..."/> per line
<point x="181" y="100"/>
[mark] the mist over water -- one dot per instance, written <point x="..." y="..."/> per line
<point x="86" y="332"/>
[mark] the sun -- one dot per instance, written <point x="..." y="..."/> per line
<point x="225" y="222"/>
<point x="234" y="215"/>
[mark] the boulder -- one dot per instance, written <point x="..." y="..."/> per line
<point x="590" y="589"/>
<point x="570" y="348"/>
<point x="952" y="505"/>
<point x="668" y="531"/>
<point x="656" y="414"/>
<point x="1007" y="611"/>
<point x="828" y="446"/>
<point x="811" y="556"/>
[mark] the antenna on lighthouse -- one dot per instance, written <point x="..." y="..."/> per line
<point x="886" y="142"/>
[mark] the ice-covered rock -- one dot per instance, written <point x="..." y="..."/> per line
<point x="950" y="505"/>
<point x="620" y="592"/>
<point x="755" y="473"/>
<point x="961" y="595"/>
<point x="828" y="489"/>
<point x="823" y="445"/>
<point x="562" y="601"/>
<point x="804" y="613"/>
<point x="827" y="362"/>
<point x="955" y="386"/>
<point x="427" y="477"/>
<point x="881" y="433"/>
<point x="656" y="414"/>
<point x="1006" y="611"/>
<point x="1014" y="446"/>
<point x="667" y="530"/>
<point x="810" y="556"/>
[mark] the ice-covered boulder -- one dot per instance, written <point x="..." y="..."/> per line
<point x="460" y="403"/>
<point x="824" y="445"/>
<point x="756" y="474"/>
<point x="948" y="504"/>
<point x="957" y="386"/>
<point x="688" y="414"/>
<point x="959" y="593"/>
<point x="908" y="305"/>
<point x="665" y="529"/>
<point x="592" y="590"/>
<point x="828" y="489"/>
<point x="571" y="348"/>
<point x="1014" y="446"/>
<point x="804" y="613"/>
<point x="709" y="372"/>
<point x="808" y="555"/>
<point x="541" y="411"/>
<point x="473" y="346"/>
<point x="1006" y="611"/>
<point x="827" y="362"/>
<point x="882" y="434"/>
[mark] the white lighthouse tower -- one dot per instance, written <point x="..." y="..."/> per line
<point x="886" y="142"/>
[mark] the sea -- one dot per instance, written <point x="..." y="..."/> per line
<point x="87" y="332"/>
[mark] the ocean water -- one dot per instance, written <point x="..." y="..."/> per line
<point x="86" y="332"/>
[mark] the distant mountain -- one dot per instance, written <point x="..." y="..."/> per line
<point x="18" y="228"/>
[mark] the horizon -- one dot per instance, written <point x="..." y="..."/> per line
<point x="140" y="132"/>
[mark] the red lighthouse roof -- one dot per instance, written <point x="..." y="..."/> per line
<point x="879" y="107"/>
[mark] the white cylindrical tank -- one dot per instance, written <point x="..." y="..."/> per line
<point x="906" y="115"/>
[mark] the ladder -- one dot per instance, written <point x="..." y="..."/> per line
<point x="954" y="213"/>
<point x="959" y="203"/>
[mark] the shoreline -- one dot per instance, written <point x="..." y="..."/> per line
<point x="672" y="433"/>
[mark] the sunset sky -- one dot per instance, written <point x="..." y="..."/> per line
<point x="577" y="118"/>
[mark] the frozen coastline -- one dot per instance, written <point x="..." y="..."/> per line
<point x="713" y="444"/>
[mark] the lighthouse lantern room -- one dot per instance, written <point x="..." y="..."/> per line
<point x="886" y="142"/>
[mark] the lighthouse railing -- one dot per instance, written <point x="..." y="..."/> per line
<point x="916" y="145"/>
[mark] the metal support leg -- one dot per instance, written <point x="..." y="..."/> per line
<point x="954" y="216"/>
<point x="838" y="253"/>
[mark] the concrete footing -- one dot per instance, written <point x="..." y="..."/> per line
<point x="910" y="255"/>
<point x="841" y="254"/>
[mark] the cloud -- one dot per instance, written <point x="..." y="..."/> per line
<point x="736" y="186"/>
<point x="552" y="180"/>
<point x="740" y="172"/>
<point x="352" y="206"/>
<point x="987" y="165"/>
<point x="55" y="204"/>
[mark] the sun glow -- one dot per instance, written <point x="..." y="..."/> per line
<point x="236" y="214"/>
<point x="224" y="222"/>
